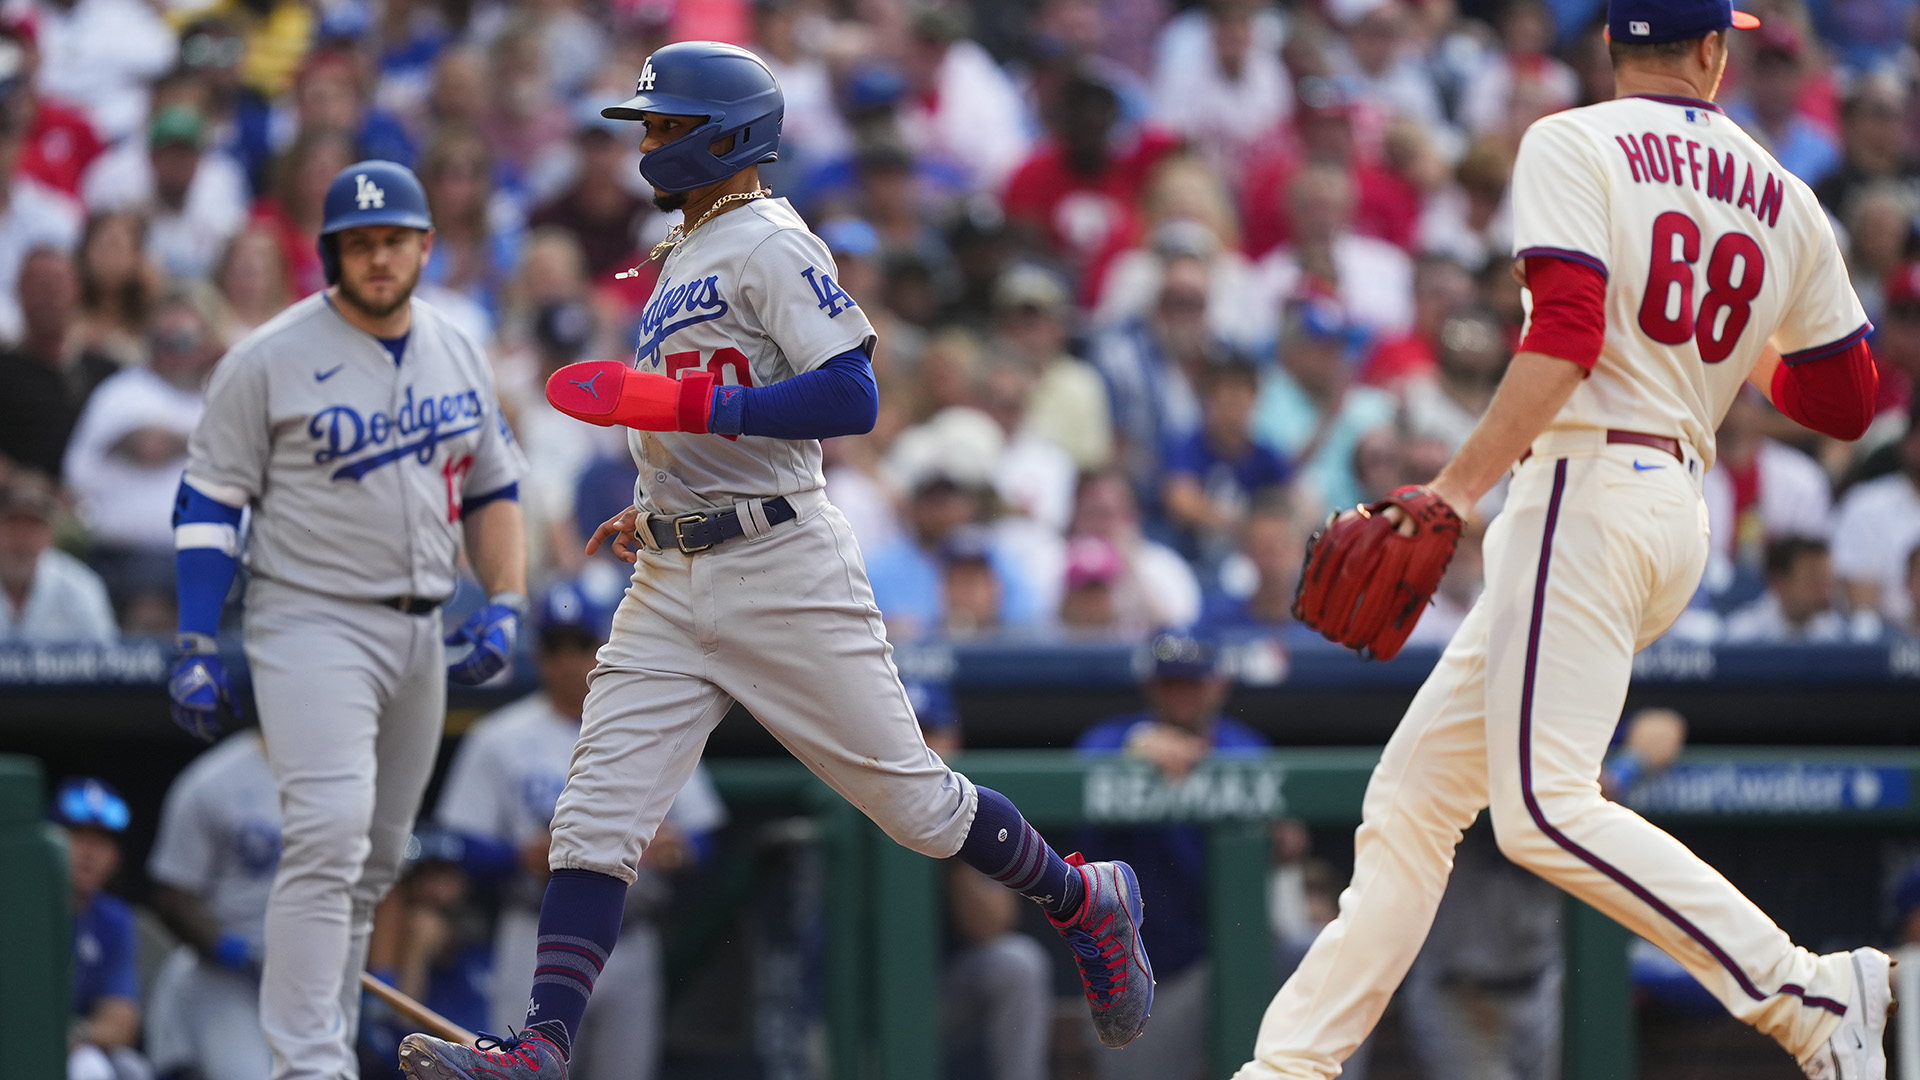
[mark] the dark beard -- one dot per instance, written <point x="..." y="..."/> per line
<point x="669" y="201"/>
<point x="352" y="296"/>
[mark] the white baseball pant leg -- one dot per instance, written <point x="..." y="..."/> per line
<point x="1591" y="559"/>
<point x="784" y="623"/>
<point x="352" y="699"/>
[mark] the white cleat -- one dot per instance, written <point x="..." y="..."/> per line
<point x="1855" y="1051"/>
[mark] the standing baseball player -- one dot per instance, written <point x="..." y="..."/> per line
<point x="748" y="585"/>
<point x="1669" y="259"/>
<point x="362" y="430"/>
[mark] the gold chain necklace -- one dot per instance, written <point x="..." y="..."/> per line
<point x="679" y="233"/>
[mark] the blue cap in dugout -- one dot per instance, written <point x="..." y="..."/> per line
<point x="1653" y="21"/>
<point x="87" y="803"/>
<point x="568" y="606"/>
<point x="1182" y="654"/>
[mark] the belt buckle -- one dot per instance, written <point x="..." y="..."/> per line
<point x="680" y="537"/>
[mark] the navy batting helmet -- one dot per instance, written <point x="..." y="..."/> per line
<point x="370" y="193"/>
<point x="729" y="86"/>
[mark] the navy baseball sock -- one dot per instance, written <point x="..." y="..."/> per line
<point x="1004" y="847"/>
<point x="579" y="923"/>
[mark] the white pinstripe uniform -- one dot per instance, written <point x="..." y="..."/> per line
<point x="1710" y="249"/>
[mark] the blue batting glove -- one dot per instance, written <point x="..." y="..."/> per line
<point x="199" y="687"/>
<point x="490" y="634"/>
<point x="233" y="952"/>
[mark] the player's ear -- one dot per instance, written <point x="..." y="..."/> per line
<point x="426" y="244"/>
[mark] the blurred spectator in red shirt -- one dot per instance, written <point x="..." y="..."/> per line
<point x="1385" y="205"/>
<point x="59" y="141"/>
<point x="1371" y="279"/>
<point x="294" y="208"/>
<point x="1076" y="194"/>
<point x="1440" y="287"/>
<point x="31" y="215"/>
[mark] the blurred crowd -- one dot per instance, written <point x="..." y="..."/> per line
<point x="1156" y="286"/>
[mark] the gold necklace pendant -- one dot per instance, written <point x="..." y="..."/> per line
<point x="679" y="233"/>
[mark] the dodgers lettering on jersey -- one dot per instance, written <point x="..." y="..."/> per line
<point x="1710" y="249"/>
<point x="752" y="297"/>
<point x="357" y="468"/>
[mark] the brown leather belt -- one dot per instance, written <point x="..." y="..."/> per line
<point x="1638" y="438"/>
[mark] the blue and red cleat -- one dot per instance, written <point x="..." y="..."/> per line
<point x="525" y="1056"/>
<point x="1105" y="938"/>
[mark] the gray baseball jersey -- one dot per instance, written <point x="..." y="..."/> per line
<point x="356" y="466"/>
<point x="751" y="297"/>
<point x="219" y="836"/>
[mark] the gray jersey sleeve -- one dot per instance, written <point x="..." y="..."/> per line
<point x="228" y="454"/>
<point x="792" y="287"/>
<point x="186" y="849"/>
<point x="471" y="801"/>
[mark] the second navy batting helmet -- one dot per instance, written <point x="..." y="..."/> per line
<point x="729" y="86"/>
<point x="370" y="193"/>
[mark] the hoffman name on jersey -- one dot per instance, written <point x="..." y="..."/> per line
<point x="1670" y="159"/>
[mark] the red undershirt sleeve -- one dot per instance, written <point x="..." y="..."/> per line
<point x="1569" y="317"/>
<point x="1829" y="389"/>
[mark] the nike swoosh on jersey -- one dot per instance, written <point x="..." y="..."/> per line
<point x="1646" y="468"/>
<point x="323" y="376"/>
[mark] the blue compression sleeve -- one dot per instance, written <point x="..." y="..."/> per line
<point x="837" y="398"/>
<point x="206" y="540"/>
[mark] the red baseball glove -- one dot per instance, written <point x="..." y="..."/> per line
<point x="1365" y="584"/>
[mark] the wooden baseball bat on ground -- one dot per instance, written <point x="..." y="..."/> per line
<point x="434" y="1024"/>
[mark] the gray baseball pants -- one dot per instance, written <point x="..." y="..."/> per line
<point x="782" y="621"/>
<point x="352" y="698"/>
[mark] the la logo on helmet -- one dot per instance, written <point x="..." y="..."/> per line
<point x="646" y="77"/>
<point x="367" y="193"/>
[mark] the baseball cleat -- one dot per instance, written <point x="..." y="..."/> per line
<point x="1855" y="1050"/>
<point x="1105" y="938"/>
<point x="526" y="1056"/>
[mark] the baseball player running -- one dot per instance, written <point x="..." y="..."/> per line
<point x="362" y="430"/>
<point x="1665" y="252"/>
<point x="748" y="585"/>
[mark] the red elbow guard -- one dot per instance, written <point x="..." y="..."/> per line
<point x="1569" y="310"/>
<point x="1830" y="389"/>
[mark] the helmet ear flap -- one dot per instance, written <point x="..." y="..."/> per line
<point x="330" y="257"/>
